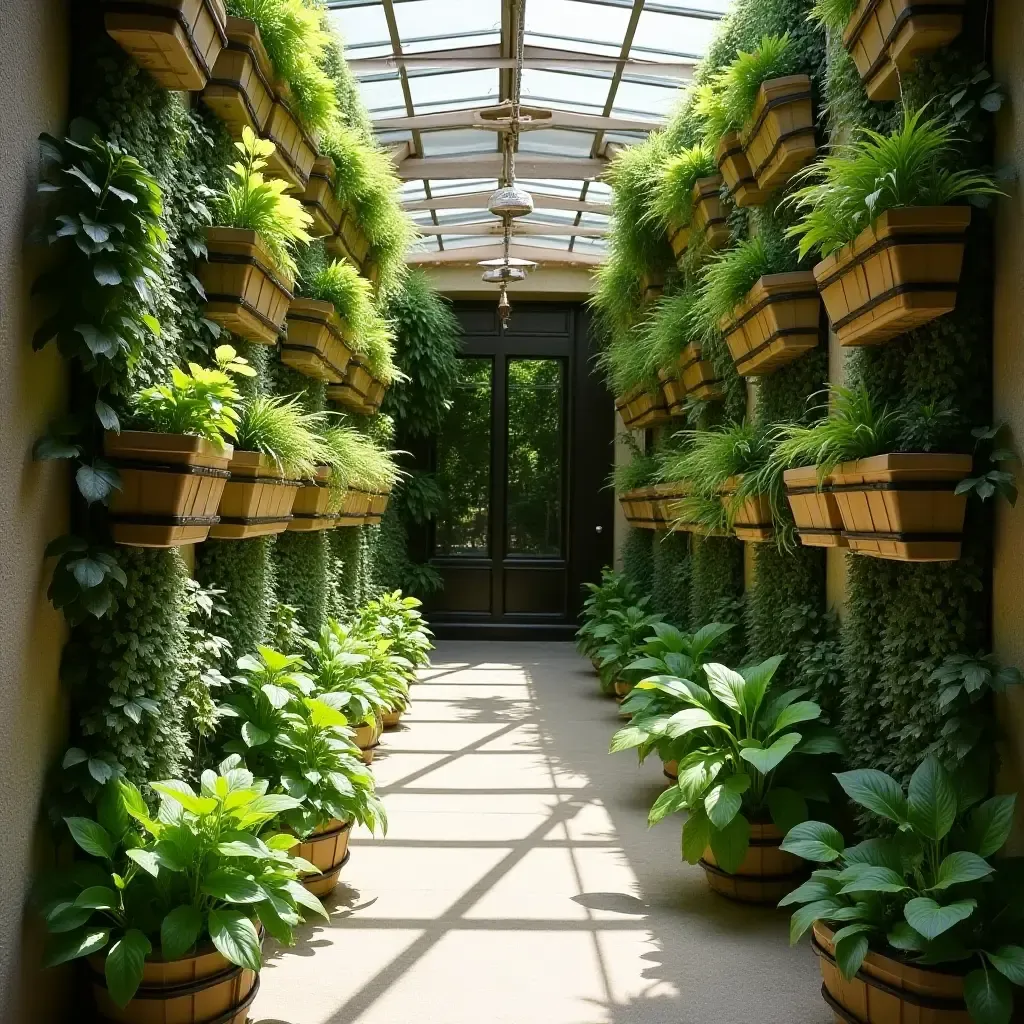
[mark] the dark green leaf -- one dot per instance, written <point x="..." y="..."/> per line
<point x="124" y="965"/>
<point x="91" y="836"/>
<point x="961" y="867"/>
<point x="730" y="844"/>
<point x="815" y="840"/>
<point x="72" y="945"/>
<point x="876" y="791"/>
<point x="932" y="800"/>
<point x="236" y="937"/>
<point x="989" y="825"/>
<point x="179" y="931"/>
<point x="931" y="920"/>
<point x="989" y="997"/>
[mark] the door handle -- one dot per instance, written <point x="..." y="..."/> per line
<point x="599" y="529"/>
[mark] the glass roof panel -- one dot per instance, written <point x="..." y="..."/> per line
<point x="569" y="19"/>
<point x="429" y="17"/>
<point x="556" y="141"/>
<point x="674" y="32"/>
<point x="433" y="89"/>
<point x="460" y="140"/>
<point x="361" y="25"/>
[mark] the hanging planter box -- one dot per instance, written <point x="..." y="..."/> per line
<point x="350" y="242"/>
<point x="296" y="152"/>
<point x="241" y="91"/>
<point x="320" y="199"/>
<point x="245" y="293"/>
<point x="354" y="389"/>
<point x="177" y="41"/>
<point x="886" y="990"/>
<point x="819" y="523"/>
<point x="171" y="487"/>
<point x="652" y="286"/>
<point x="698" y="374"/>
<point x="378" y="506"/>
<point x="355" y="508"/>
<point x="735" y="169"/>
<point x="752" y="520"/>
<point x="766" y="874"/>
<point x="885" y="38"/>
<point x="642" y="408"/>
<point x="311" y="509"/>
<point x="901" y="272"/>
<point x="666" y="503"/>
<point x="780" y="137"/>
<point x="709" y="220"/>
<point x="638" y="508"/>
<point x="257" y="500"/>
<point x="776" y="323"/>
<point x="903" y="506"/>
<point x="679" y="239"/>
<point x="367" y="739"/>
<point x="674" y="391"/>
<point x="202" y="987"/>
<point x="374" y="396"/>
<point x="327" y="850"/>
<point x="316" y="341"/>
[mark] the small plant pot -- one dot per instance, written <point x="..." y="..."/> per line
<point x="652" y="286"/>
<point x="709" y="221"/>
<point x="698" y="374"/>
<point x="355" y="509"/>
<point x="638" y="507"/>
<point x="666" y="502"/>
<point x="735" y="169"/>
<point x="327" y="850"/>
<point x="752" y="519"/>
<point x="766" y="874"/>
<point x="296" y="152"/>
<point x="673" y="390"/>
<point x="888" y="991"/>
<point x="177" y="41"/>
<point x="780" y="137"/>
<point x="171" y="487"/>
<point x="316" y="343"/>
<point x="320" y="199"/>
<point x="898" y="274"/>
<point x="776" y="323"/>
<point x="622" y="689"/>
<point x="257" y="500"/>
<point x="241" y="91"/>
<point x="354" y="390"/>
<point x="392" y="719"/>
<point x="374" y="396"/>
<point x="245" y="292"/>
<point x="671" y="771"/>
<point x="885" y="38"/>
<point x="367" y="739"/>
<point x="203" y="988"/>
<point x="679" y="239"/>
<point x="349" y="242"/>
<point x="378" y="506"/>
<point x="903" y="506"/>
<point x="642" y="408"/>
<point x="819" y="523"/>
<point x="311" y="509"/>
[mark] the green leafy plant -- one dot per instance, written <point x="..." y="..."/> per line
<point x="198" y="869"/>
<point x="621" y="633"/>
<point x="992" y="446"/>
<point x="640" y="471"/>
<point x="281" y="429"/>
<point x="357" y="461"/>
<point x="833" y="15"/>
<point x="86" y="579"/>
<point x="614" y="591"/>
<point x="673" y="198"/>
<point x="398" y="618"/>
<point x="927" y="894"/>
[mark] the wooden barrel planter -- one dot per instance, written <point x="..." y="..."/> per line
<point x="766" y="874"/>
<point x="736" y="171"/>
<point x="171" y="487"/>
<point x="245" y="292"/>
<point x="709" y="220"/>
<point x="622" y="689"/>
<point x="780" y="137"/>
<point x="392" y="719"/>
<point x="241" y="90"/>
<point x="355" y="508"/>
<point x="751" y="520"/>
<point x="888" y="991"/>
<point x="204" y="988"/>
<point x="698" y="374"/>
<point x="899" y="273"/>
<point x="321" y="200"/>
<point x="903" y="506"/>
<point x="257" y="500"/>
<point x="643" y="407"/>
<point x="295" y="152"/>
<point x="177" y="41"/>
<point x="885" y="38"/>
<point x="670" y="769"/>
<point x="327" y="850"/>
<point x="776" y="323"/>
<point x="316" y="343"/>
<point x="679" y="239"/>
<point x="367" y="739"/>
<point x="819" y="523"/>
<point x="311" y="509"/>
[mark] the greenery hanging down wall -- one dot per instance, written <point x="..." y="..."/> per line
<point x="912" y="631"/>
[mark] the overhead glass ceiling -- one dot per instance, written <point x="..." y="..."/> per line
<point x="607" y="71"/>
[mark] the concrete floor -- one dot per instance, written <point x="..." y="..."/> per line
<point x="519" y="882"/>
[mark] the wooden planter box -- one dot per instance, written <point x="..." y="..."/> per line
<point x="652" y="286"/>
<point x="735" y="169"/>
<point x="316" y="341"/>
<point x="673" y="390"/>
<point x="709" y="220"/>
<point x="241" y="91"/>
<point x="638" y="508"/>
<point x="367" y="739"/>
<point x="311" y="509"/>
<point x="819" y="523"/>
<point x="355" y="508"/>
<point x="245" y="292"/>
<point x="349" y="243"/>
<point x="698" y="374"/>
<point x="642" y="408"/>
<point x="354" y="390"/>
<point x="780" y="137"/>
<point x="257" y="500"/>
<point x="202" y="987"/>
<point x="321" y="200"/>
<point x="888" y="991"/>
<point x="374" y="396"/>
<point x="177" y="41"/>
<point x="901" y="272"/>
<point x="885" y="38"/>
<point x="666" y="503"/>
<point x="776" y="323"/>
<point x="679" y="239"/>
<point x="903" y="506"/>
<point x="766" y="874"/>
<point x="327" y="850"/>
<point x="171" y="487"/>
<point x="378" y="506"/>
<point x="296" y="152"/>
<point x="751" y="520"/>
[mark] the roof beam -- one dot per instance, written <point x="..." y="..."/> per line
<point x="473" y="254"/>
<point x="491" y="118"/>
<point x="489" y="165"/>
<point x="522" y="228"/>
<point x="478" y="201"/>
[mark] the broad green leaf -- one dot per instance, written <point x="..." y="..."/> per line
<point x="235" y="937"/>
<point x="769" y="758"/>
<point x="683" y="722"/>
<point x="851" y="945"/>
<point x="758" y="679"/>
<point x="322" y="715"/>
<point x="627" y="738"/>
<point x="727" y="685"/>
<point x="92" y="837"/>
<point x="812" y="891"/>
<point x="254" y="736"/>
<point x="148" y="860"/>
<point x="730" y="844"/>
<point x="801" y="711"/>
<point x="883" y="852"/>
<point x="123" y="968"/>
<point x="931" y="919"/>
<point x="136" y="806"/>
<point x="71" y="945"/>
<point x="804" y="917"/>
<point x="1009" y="961"/>
<point x="232" y="887"/>
<point x="306" y="899"/>
<point x="696" y="835"/>
<point x="722" y="805"/>
<point x="787" y="808"/>
<point x="871" y="878"/>
<point x="931" y="800"/>
<point x="961" y="867"/>
<point x="989" y="825"/>
<point x="815" y="840"/>
<point x="277" y="696"/>
<point x="989" y="997"/>
<point x="179" y="931"/>
<point x="902" y="936"/>
<point x="181" y="793"/>
<point x="98" y="897"/>
<point x="876" y="791"/>
<point x="668" y="802"/>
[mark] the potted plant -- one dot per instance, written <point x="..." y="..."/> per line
<point x="708" y="220"/>
<point x="768" y="310"/>
<point x="321" y="199"/>
<point x="886" y="40"/>
<point x="918" y="921"/>
<point x="892" y="248"/>
<point x="241" y="90"/>
<point x="174" y="465"/>
<point x="398" y="618"/>
<point x="734" y="167"/>
<point x="177" y="41"/>
<point x="674" y="193"/>
<point x="614" y="591"/>
<point x="249" y="269"/>
<point x="169" y="909"/>
<point x="277" y="447"/>
<point x="698" y="374"/>
<point x="622" y="634"/>
<point x="297" y="738"/>
<point x="747" y="764"/>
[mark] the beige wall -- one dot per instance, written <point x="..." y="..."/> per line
<point x="1008" y="377"/>
<point x="33" y="499"/>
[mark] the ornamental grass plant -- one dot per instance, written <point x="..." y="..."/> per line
<point x="832" y="15"/>
<point x="282" y="430"/>
<point x="356" y="461"/>
<point x="673" y="192"/>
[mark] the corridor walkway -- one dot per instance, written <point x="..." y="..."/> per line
<point x="519" y="883"/>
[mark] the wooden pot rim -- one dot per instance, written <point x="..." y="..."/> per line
<point x="244" y="34"/>
<point x="334" y="827"/>
<point x="130" y="443"/>
<point x="792" y="286"/>
<point x="776" y="92"/>
<point x="222" y="243"/>
<point x="710" y="186"/>
<point x="903" y="468"/>
<point x="866" y="8"/>
<point x="255" y="466"/>
<point x="789" y="876"/>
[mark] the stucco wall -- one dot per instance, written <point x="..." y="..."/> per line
<point x="33" y="499"/>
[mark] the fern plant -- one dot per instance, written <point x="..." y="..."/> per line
<point x="281" y="429"/>
<point x="673" y="190"/>
<point x="832" y="15"/>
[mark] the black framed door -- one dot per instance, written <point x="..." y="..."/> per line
<point x="521" y="464"/>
